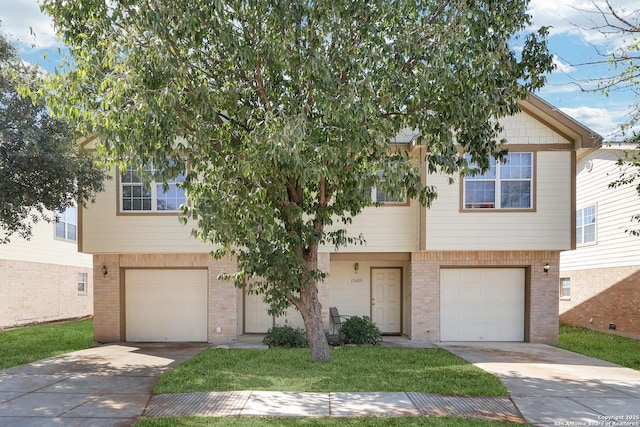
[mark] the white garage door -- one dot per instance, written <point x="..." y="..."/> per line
<point x="166" y="305"/>
<point x="258" y="320"/>
<point x="482" y="304"/>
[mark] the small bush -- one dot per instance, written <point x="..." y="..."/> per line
<point x="360" y="330"/>
<point x="285" y="336"/>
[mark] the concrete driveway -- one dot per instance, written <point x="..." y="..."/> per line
<point x="105" y="386"/>
<point x="554" y="387"/>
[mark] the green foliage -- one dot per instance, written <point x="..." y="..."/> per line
<point x="351" y="369"/>
<point x="31" y="343"/>
<point x="285" y="336"/>
<point x="41" y="167"/>
<point x="610" y="347"/>
<point x="360" y="330"/>
<point x="283" y="111"/>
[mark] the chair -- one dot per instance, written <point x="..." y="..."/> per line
<point x="336" y="319"/>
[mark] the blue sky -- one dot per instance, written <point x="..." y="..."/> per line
<point x="33" y="32"/>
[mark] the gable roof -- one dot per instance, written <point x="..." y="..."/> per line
<point x="569" y="128"/>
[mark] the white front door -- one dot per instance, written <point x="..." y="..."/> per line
<point x="386" y="303"/>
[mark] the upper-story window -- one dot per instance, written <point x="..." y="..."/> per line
<point x="67" y="224"/>
<point x="379" y="196"/>
<point x="139" y="194"/>
<point x="505" y="185"/>
<point x="586" y="225"/>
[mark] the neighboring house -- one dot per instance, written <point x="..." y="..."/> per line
<point x="45" y="278"/>
<point x="600" y="279"/>
<point x="480" y="264"/>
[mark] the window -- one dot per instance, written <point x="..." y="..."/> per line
<point x="565" y="288"/>
<point x="67" y="224"/>
<point x="586" y="225"/>
<point x="506" y="185"/>
<point x="82" y="283"/>
<point x="378" y="195"/>
<point x="145" y="195"/>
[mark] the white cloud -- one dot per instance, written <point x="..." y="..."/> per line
<point x="22" y="18"/>
<point x="562" y="67"/>
<point x="583" y="17"/>
<point x="604" y="121"/>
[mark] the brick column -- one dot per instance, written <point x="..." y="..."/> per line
<point x="107" y="311"/>
<point x="425" y="314"/>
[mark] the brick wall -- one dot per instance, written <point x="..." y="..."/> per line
<point x="109" y="301"/>
<point x="542" y="314"/>
<point x="38" y="292"/>
<point x="603" y="296"/>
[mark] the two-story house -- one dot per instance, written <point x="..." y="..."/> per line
<point x="480" y="264"/>
<point x="45" y="278"/>
<point x="600" y="279"/>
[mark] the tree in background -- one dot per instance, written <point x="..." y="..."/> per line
<point x="281" y="113"/>
<point x="41" y="167"/>
<point x="622" y="26"/>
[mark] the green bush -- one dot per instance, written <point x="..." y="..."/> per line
<point x="360" y="330"/>
<point x="285" y="336"/>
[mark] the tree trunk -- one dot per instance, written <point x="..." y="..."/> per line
<point x="311" y="311"/>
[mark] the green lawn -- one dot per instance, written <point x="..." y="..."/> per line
<point x="313" y="422"/>
<point x="28" y="344"/>
<point x="612" y="348"/>
<point x="350" y="369"/>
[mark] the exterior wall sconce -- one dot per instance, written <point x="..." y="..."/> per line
<point x="356" y="267"/>
<point x="104" y="271"/>
<point x="546" y="268"/>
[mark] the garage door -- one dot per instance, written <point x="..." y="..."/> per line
<point x="258" y="320"/>
<point x="166" y="305"/>
<point x="482" y="304"/>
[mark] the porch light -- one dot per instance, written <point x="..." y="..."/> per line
<point x="547" y="267"/>
<point x="104" y="271"/>
<point x="356" y="267"/>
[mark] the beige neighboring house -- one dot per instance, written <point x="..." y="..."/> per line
<point x="482" y="264"/>
<point x="600" y="279"/>
<point x="45" y="278"/>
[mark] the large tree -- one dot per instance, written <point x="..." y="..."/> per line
<point x="41" y="166"/>
<point x="282" y="112"/>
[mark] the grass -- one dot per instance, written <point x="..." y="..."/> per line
<point x="28" y="344"/>
<point x="313" y="422"/>
<point x="352" y="369"/>
<point x="612" y="348"/>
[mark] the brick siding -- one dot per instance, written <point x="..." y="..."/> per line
<point x="38" y="292"/>
<point x="542" y="300"/>
<point x="603" y="296"/>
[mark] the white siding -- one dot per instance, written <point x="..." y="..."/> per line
<point x="614" y="210"/>
<point x="524" y="129"/>
<point x="103" y="231"/>
<point x="390" y="228"/>
<point x="546" y="228"/>
<point x="44" y="248"/>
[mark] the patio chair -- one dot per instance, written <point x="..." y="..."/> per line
<point x="336" y="319"/>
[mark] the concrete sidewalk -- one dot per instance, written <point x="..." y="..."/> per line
<point x="290" y="404"/>
<point x="553" y="387"/>
<point x="111" y="386"/>
<point x="105" y="386"/>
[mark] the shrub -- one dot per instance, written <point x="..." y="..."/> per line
<point x="360" y="330"/>
<point x="285" y="336"/>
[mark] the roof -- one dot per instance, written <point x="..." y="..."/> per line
<point x="569" y="128"/>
